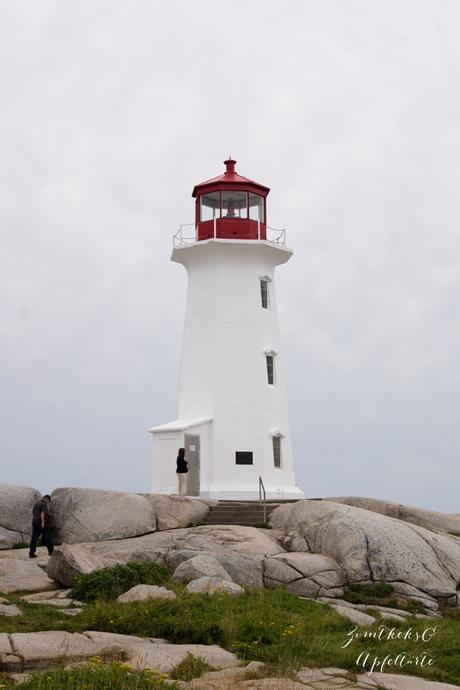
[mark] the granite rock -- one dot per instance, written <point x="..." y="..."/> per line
<point x="92" y="515"/>
<point x="144" y="593"/>
<point x="21" y="575"/>
<point x="16" y="503"/>
<point x="211" y="585"/>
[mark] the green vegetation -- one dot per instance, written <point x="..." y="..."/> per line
<point x="95" y="676"/>
<point x="273" y="626"/>
<point x="278" y="628"/>
<point x="34" y="618"/>
<point x="380" y="594"/>
<point x="191" y="667"/>
<point x="109" y="583"/>
<point x="20" y="545"/>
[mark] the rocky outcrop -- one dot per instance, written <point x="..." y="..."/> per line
<point x="339" y="544"/>
<point x="211" y="585"/>
<point x="305" y="574"/>
<point x="90" y="515"/>
<point x="373" y="547"/>
<point x="173" y="512"/>
<point x="430" y="519"/>
<point x="145" y="593"/>
<point x="311" y="679"/>
<point x="16" y="503"/>
<point x="199" y="566"/>
<point x="237" y="551"/>
<point x="69" y="561"/>
<point x="46" y="650"/>
<point x="20" y="575"/>
<point x="9" y="610"/>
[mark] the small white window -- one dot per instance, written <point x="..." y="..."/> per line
<point x="270" y="359"/>
<point x="264" y="293"/>
<point x="276" y="451"/>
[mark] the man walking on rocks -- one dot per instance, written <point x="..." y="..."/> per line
<point x="40" y="526"/>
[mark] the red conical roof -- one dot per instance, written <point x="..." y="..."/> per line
<point x="230" y="180"/>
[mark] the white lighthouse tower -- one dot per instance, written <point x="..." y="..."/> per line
<point x="232" y="416"/>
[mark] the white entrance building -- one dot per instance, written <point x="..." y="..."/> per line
<point x="232" y="416"/>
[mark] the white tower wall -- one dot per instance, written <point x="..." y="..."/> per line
<point x="223" y="377"/>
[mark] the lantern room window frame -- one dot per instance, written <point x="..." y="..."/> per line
<point x="219" y="215"/>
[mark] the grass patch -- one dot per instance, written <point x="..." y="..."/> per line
<point x="273" y="626"/>
<point x="95" y="676"/>
<point x="380" y="594"/>
<point x="20" y="545"/>
<point x="34" y="617"/>
<point x="109" y="583"/>
<point x="191" y="667"/>
<point x="450" y="612"/>
<point x="277" y="628"/>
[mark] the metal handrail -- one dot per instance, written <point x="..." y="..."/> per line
<point x="183" y="239"/>
<point x="262" y="490"/>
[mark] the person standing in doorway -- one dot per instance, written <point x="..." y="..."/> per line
<point x="40" y="526"/>
<point x="181" y="470"/>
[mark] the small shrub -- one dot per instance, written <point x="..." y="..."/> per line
<point x="108" y="583"/>
<point x="380" y="594"/>
<point x="191" y="667"/>
<point x="188" y="619"/>
<point x="451" y="612"/>
<point x="371" y="592"/>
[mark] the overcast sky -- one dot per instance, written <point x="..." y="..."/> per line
<point x="349" y="110"/>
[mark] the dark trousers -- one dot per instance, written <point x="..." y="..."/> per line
<point x="44" y="533"/>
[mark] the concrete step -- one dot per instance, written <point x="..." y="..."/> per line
<point x="247" y="513"/>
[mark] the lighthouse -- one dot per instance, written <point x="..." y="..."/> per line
<point x="232" y="415"/>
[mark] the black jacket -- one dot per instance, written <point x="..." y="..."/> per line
<point x="181" y="465"/>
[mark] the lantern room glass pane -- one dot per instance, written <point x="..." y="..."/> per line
<point x="234" y="205"/>
<point x="256" y="207"/>
<point x="210" y="206"/>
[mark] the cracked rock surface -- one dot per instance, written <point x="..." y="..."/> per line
<point x="430" y="519"/>
<point x="21" y="652"/>
<point x="18" y="574"/>
<point x="312" y="679"/>
<point x="16" y="503"/>
<point x="92" y="515"/>
<point x="372" y="547"/>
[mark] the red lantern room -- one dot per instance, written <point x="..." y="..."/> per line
<point x="231" y="207"/>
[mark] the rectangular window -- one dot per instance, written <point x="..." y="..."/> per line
<point x="270" y="369"/>
<point x="210" y="206"/>
<point x="234" y="204"/>
<point x="264" y="293"/>
<point x="256" y="207"/>
<point x="277" y="451"/>
<point x="243" y="457"/>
